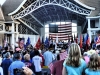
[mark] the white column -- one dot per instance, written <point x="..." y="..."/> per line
<point x="13" y="39"/>
<point x="17" y="34"/>
<point x="3" y="27"/>
<point x="89" y="29"/>
<point x="99" y="22"/>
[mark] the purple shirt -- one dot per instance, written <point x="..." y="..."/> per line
<point x="57" y="68"/>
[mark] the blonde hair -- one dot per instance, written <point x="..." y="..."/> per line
<point x="26" y="57"/>
<point x="94" y="63"/>
<point x="74" y="55"/>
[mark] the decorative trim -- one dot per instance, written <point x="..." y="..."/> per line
<point x="18" y="8"/>
<point x="95" y="17"/>
<point x="62" y="3"/>
<point x="88" y="7"/>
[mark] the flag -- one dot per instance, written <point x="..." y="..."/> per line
<point x="98" y="41"/>
<point x="68" y="38"/>
<point x="46" y="43"/>
<point x="38" y="44"/>
<point x="60" y="30"/>
<point x="63" y="55"/>
<point x="28" y="42"/>
<point x="88" y="40"/>
<point x="81" y="41"/>
<point x="21" y="43"/>
<point x="95" y="39"/>
<point x="42" y="40"/>
<point x="50" y="66"/>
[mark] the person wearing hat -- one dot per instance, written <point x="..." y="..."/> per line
<point x="6" y="63"/>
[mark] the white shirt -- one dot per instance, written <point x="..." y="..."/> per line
<point x="1" y="71"/>
<point x="37" y="63"/>
<point x="0" y="60"/>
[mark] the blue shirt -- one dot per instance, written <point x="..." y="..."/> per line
<point x="48" y="56"/>
<point x="91" y="72"/>
<point x="5" y="65"/>
<point x="16" y="64"/>
<point x="75" y="70"/>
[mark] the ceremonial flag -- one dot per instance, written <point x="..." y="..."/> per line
<point x="81" y="41"/>
<point x="88" y="40"/>
<point x="63" y="55"/>
<point x="46" y="43"/>
<point x="98" y="41"/>
<point x="38" y="44"/>
<point x="28" y="42"/>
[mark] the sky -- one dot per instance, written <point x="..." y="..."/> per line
<point x="2" y="2"/>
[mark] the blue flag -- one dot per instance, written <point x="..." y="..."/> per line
<point x="46" y="43"/>
<point x="42" y="40"/>
<point x="28" y="42"/>
<point x="96" y="38"/>
<point x="86" y="38"/>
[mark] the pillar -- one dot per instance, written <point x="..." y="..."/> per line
<point x="13" y="35"/>
<point x="17" y="34"/>
<point x="3" y="27"/>
<point x="99" y="23"/>
<point x="89" y="29"/>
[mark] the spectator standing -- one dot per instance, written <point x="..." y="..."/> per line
<point x="48" y="57"/>
<point x="57" y="67"/>
<point x="27" y="62"/>
<point x="74" y="64"/>
<point x="37" y="60"/>
<point x="6" y="63"/>
<point x="16" y="64"/>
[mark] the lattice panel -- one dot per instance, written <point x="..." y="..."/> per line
<point x="1" y="27"/>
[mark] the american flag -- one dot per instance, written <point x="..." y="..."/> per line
<point x="63" y="55"/>
<point x="98" y="41"/>
<point x="63" y="31"/>
<point x="51" y="66"/>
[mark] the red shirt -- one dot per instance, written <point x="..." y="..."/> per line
<point x="57" y="68"/>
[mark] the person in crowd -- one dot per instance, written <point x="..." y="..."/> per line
<point x="32" y="53"/>
<point x="27" y="62"/>
<point x="17" y="64"/>
<point x="48" y="56"/>
<point x="27" y="71"/>
<point x="86" y="57"/>
<point x="6" y="63"/>
<point x="37" y="60"/>
<point x="42" y="64"/>
<point x="57" y="66"/>
<point x="1" y="71"/>
<point x="0" y="58"/>
<point x="74" y="64"/>
<point x="93" y="65"/>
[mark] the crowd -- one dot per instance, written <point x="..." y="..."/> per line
<point x="32" y="61"/>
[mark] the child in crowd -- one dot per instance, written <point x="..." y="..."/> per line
<point x="93" y="65"/>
